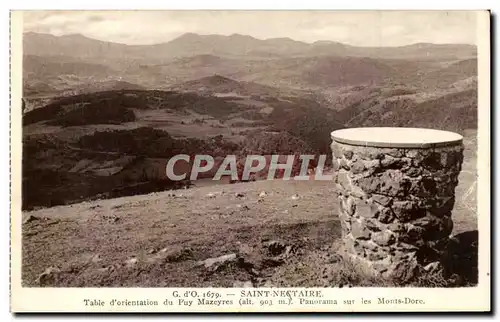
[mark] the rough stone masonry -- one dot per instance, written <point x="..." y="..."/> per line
<point x="396" y="205"/>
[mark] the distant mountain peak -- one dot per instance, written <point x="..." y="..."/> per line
<point x="79" y="37"/>
<point x="329" y="43"/>
<point x="324" y="42"/>
<point x="281" y="39"/>
<point x="38" y="35"/>
<point x="242" y="38"/>
<point x="32" y="33"/>
<point x="236" y="35"/>
<point x="75" y="35"/>
<point x="188" y="36"/>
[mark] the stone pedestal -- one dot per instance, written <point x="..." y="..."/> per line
<point x="396" y="190"/>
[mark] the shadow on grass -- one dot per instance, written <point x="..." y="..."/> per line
<point x="461" y="258"/>
<point x="459" y="261"/>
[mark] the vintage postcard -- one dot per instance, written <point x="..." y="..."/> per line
<point x="250" y="161"/>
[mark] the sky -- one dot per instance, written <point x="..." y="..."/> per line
<point x="359" y="28"/>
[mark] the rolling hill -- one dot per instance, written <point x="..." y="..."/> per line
<point x="224" y="86"/>
<point x="218" y="84"/>
<point x="455" y="111"/>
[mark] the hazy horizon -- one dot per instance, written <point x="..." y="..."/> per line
<point x="355" y="28"/>
<point x="203" y="35"/>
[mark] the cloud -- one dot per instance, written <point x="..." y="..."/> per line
<point x="365" y="28"/>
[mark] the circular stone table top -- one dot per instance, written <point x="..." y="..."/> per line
<point x="396" y="137"/>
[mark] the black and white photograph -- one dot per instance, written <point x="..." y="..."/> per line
<point x="250" y="149"/>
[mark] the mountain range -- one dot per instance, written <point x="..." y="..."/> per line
<point x="60" y="64"/>
<point x="190" y="44"/>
